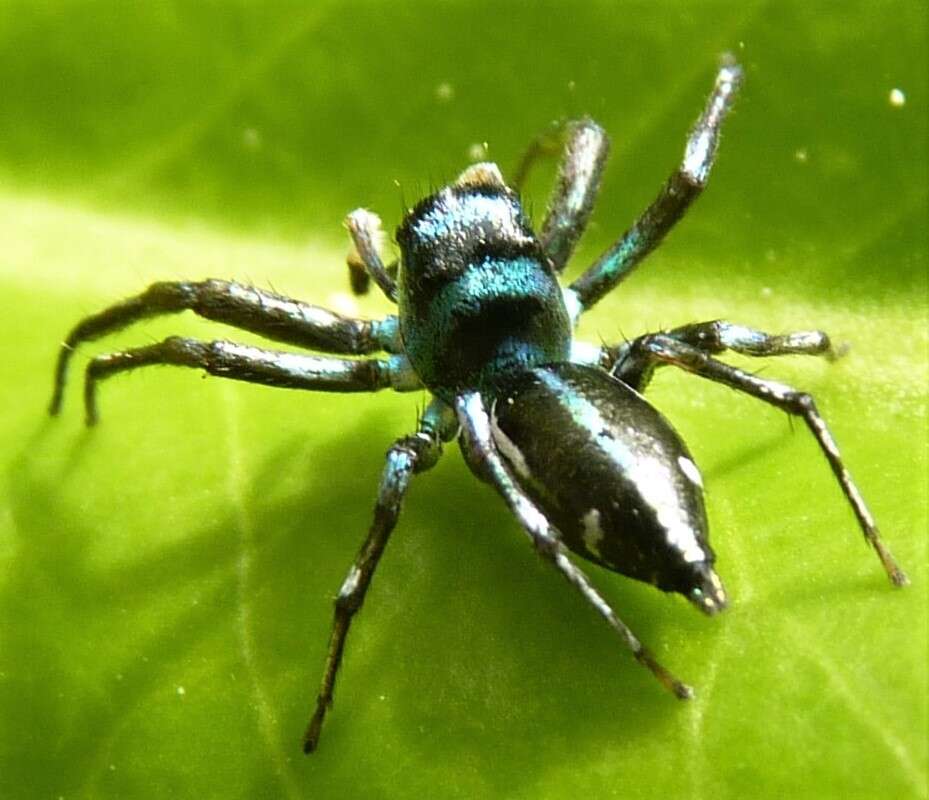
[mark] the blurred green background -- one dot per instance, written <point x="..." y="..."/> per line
<point x="165" y="582"/>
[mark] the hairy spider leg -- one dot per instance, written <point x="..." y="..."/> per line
<point x="359" y="280"/>
<point x="407" y="456"/>
<point x="265" y="313"/>
<point x="364" y="259"/>
<point x="255" y="365"/>
<point x="680" y="190"/>
<point x="482" y="453"/>
<point x="633" y="366"/>
<point x="661" y="348"/>
<point x="572" y="198"/>
<point x="546" y="144"/>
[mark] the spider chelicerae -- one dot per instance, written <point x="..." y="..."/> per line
<point x="558" y="427"/>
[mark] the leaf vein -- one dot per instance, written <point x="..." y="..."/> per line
<point x="267" y="720"/>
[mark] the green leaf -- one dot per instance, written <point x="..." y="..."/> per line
<point x="166" y="579"/>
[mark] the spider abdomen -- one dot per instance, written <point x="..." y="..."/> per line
<point x="612" y="474"/>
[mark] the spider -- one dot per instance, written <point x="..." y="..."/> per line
<point x="558" y="427"/>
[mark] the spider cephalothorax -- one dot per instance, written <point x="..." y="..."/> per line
<point x="478" y="296"/>
<point x="558" y="427"/>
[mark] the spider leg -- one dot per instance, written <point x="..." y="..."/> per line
<point x="544" y="145"/>
<point x="364" y="260"/>
<point x="635" y="366"/>
<point x="575" y="190"/>
<point x="255" y="365"/>
<point x="358" y="277"/>
<point x="481" y="452"/>
<point x="406" y="457"/>
<point x="265" y="313"/>
<point x="680" y="190"/>
<point x="663" y="348"/>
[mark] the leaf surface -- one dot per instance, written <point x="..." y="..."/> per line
<point x="166" y="579"/>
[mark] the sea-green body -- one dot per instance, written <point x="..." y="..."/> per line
<point x="478" y="298"/>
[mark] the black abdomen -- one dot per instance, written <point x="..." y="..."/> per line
<point x="608" y="470"/>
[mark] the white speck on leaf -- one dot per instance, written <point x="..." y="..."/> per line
<point x="478" y="151"/>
